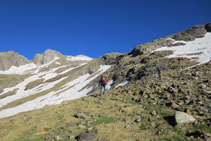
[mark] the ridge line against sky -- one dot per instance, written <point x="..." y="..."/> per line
<point x="93" y="27"/>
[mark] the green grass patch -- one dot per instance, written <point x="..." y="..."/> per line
<point x="10" y="93"/>
<point x="7" y="80"/>
<point x="33" y="84"/>
<point x="103" y="120"/>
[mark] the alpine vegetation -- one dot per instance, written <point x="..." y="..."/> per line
<point x="158" y="91"/>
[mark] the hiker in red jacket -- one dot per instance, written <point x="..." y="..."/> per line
<point x="102" y="83"/>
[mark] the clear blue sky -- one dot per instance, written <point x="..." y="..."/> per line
<point x="93" y="27"/>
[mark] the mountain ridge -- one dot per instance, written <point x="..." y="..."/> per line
<point x="137" y="103"/>
<point x="12" y="59"/>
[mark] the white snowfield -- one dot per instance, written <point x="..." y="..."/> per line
<point x="19" y="70"/>
<point x="79" y="57"/>
<point x="199" y="49"/>
<point x="72" y="90"/>
<point x="28" y="68"/>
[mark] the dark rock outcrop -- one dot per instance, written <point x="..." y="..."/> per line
<point x="111" y="58"/>
<point x="208" y="27"/>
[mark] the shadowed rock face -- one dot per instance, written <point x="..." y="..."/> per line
<point x="8" y="59"/>
<point x="46" y="57"/>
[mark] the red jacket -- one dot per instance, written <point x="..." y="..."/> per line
<point x="105" y="79"/>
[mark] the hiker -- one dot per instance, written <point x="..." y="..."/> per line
<point x="102" y="83"/>
<point x="159" y="72"/>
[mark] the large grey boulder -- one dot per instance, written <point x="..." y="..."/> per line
<point x="80" y="115"/>
<point x="48" y="56"/>
<point x="86" y="137"/>
<point x="9" y="59"/>
<point x="182" y="117"/>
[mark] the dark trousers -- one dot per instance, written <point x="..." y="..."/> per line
<point x="159" y="74"/>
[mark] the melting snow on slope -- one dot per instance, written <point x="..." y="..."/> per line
<point x="122" y="84"/>
<point x="19" y="70"/>
<point x="56" y="97"/>
<point x="22" y="93"/>
<point x="109" y="84"/>
<point x="199" y="49"/>
<point x="73" y="68"/>
<point x="78" y="58"/>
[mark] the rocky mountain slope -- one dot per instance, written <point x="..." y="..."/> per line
<point x="137" y="105"/>
<point x="9" y="59"/>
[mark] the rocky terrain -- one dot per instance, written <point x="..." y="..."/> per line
<point x="9" y="59"/>
<point x="137" y="105"/>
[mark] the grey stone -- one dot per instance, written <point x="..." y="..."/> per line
<point x="86" y="137"/>
<point x="80" y="115"/>
<point x="59" y="138"/>
<point x="127" y="126"/>
<point x="182" y="117"/>
<point x="137" y="120"/>
<point x="81" y="126"/>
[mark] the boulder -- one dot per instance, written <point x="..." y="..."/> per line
<point x="182" y="117"/>
<point x="86" y="137"/>
<point x="80" y="115"/>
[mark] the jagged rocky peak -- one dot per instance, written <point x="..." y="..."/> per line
<point x="11" y="58"/>
<point x="46" y="57"/>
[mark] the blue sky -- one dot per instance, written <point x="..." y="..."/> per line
<point x="93" y="27"/>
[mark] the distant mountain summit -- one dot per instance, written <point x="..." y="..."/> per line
<point x="46" y="57"/>
<point x="13" y="59"/>
<point x="9" y="59"/>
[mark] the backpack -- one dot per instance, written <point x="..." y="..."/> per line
<point x="158" y="68"/>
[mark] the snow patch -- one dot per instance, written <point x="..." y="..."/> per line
<point x="199" y="49"/>
<point x="78" y="58"/>
<point x="19" y="70"/>
<point x="109" y="84"/>
<point x="73" y="68"/>
<point x="76" y="90"/>
<point x="122" y="83"/>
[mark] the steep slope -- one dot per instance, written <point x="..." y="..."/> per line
<point x="137" y="105"/>
<point x="60" y="79"/>
<point x="191" y="34"/>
